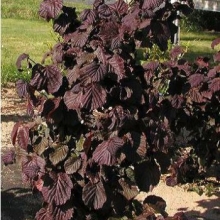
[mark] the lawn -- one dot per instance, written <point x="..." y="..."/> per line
<point x="19" y="36"/>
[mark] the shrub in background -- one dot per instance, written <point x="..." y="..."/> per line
<point x="200" y="20"/>
<point x="105" y="127"/>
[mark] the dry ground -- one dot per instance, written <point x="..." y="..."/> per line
<point x="19" y="204"/>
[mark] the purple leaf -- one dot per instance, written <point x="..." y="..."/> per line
<point x="94" y="72"/>
<point x="120" y="7"/>
<point x="38" y="79"/>
<point x="78" y="39"/>
<point x="216" y="57"/>
<point x="117" y="66"/>
<point x="94" y="97"/>
<point x="94" y="195"/>
<point x="196" y="96"/>
<point x="105" y="153"/>
<point x="196" y="79"/>
<point x="60" y="191"/>
<point x="15" y="132"/>
<point x="8" y="157"/>
<point x="214" y="85"/>
<point x="31" y="166"/>
<point x="23" y="137"/>
<point x="97" y="3"/>
<point x="149" y="178"/>
<point x="54" y="213"/>
<point x="88" y="15"/>
<point x="215" y="43"/>
<point x="50" y="8"/>
<point x="177" y="101"/>
<point x="151" y="4"/>
<point x="73" y="99"/>
<point x="54" y="78"/>
<point x="104" y="11"/>
<point x="108" y="31"/>
<point x="176" y="51"/>
<point x="20" y="59"/>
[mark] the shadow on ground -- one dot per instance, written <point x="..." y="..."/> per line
<point x="211" y="209"/>
<point x="19" y="204"/>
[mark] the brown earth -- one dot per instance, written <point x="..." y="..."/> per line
<point x="18" y="203"/>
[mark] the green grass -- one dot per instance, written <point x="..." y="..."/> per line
<point x="198" y="44"/>
<point x="28" y="9"/>
<point x="31" y="37"/>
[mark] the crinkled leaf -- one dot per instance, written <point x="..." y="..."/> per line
<point x="129" y="190"/>
<point x="22" y="88"/>
<point x="108" y="31"/>
<point x="15" y="132"/>
<point x="104" y="11"/>
<point x="54" y="78"/>
<point x="176" y="51"/>
<point x="50" y="8"/>
<point x="59" y="154"/>
<point x="177" y="101"/>
<point x="137" y="146"/>
<point x="54" y="213"/>
<point x="8" y="157"/>
<point x="93" y="71"/>
<point x="120" y="7"/>
<point x="73" y="74"/>
<point x="131" y="21"/>
<point x="60" y="191"/>
<point x="97" y="3"/>
<point x="94" y="195"/>
<point x="105" y="153"/>
<point x="196" y="79"/>
<point x="40" y="145"/>
<point x="149" y="178"/>
<point x="117" y="66"/>
<point x="214" y="85"/>
<point x="78" y="39"/>
<point x="94" y="97"/>
<point x="23" y="137"/>
<point x="88" y="15"/>
<point x="195" y="95"/>
<point x="38" y="79"/>
<point x="151" y="4"/>
<point x="73" y="100"/>
<point x="45" y="213"/>
<point x="72" y="165"/>
<point x="101" y="55"/>
<point x="32" y="165"/>
<point x="20" y="59"/>
<point x="215" y="43"/>
<point x="216" y="57"/>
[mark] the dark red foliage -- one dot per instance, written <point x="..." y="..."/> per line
<point x="105" y="127"/>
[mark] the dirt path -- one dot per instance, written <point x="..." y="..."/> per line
<point x="19" y="204"/>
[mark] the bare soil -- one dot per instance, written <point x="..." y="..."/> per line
<point x="18" y="203"/>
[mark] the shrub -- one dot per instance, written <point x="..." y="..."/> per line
<point x="104" y="126"/>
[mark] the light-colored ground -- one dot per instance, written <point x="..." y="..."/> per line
<point x="177" y="199"/>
